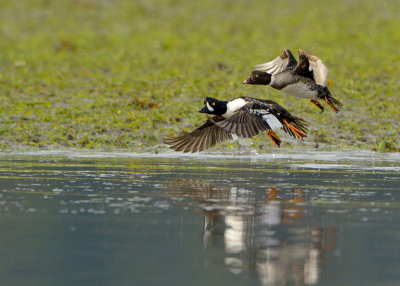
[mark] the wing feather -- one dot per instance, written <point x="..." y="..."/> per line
<point x="316" y="66"/>
<point x="274" y="115"/>
<point x="245" y="123"/>
<point x="285" y="61"/>
<point x="204" y="137"/>
<point x="192" y="146"/>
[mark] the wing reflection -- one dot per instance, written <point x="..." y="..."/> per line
<point x="268" y="236"/>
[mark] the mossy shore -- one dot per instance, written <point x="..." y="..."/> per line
<point x="124" y="74"/>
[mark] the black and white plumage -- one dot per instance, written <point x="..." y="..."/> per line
<point x="306" y="78"/>
<point x="243" y="117"/>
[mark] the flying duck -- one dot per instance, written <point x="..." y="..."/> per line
<point x="306" y="78"/>
<point x="243" y="117"/>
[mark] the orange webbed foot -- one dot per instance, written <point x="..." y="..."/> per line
<point x="317" y="104"/>
<point x="296" y="131"/>
<point x="331" y="105"/>
<point x="274" y="138"/>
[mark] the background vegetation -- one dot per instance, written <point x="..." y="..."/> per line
<point x="123" y="74"/>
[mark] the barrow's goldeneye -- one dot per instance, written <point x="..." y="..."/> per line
<point x="243" y="117"/>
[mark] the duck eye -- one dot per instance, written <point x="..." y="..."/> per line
<point x="213" y="103"/>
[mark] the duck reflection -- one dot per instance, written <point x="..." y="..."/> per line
<point x="268" y="236"/>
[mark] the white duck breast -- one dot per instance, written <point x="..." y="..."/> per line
<point x="233" y="106"/>
<point x="271" y="83"/>
<point x="300" y="89"/>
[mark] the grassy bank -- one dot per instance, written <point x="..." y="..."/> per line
<point x="123" y="74"/>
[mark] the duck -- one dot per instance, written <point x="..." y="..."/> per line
<point x="306" y="78"/>
<point x="241" y="117"/>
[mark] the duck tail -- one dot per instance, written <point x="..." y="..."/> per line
<point x="317" y="104"/>
<point x="335" y="104"/>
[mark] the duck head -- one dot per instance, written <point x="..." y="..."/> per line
<point x="214" y="106"/>
<point x="258" y="77"/>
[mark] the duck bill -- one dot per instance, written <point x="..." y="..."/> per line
<point x="247" y="81"/>
<point x="204" y="109"/>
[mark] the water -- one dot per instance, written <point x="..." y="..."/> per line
<point x="123" y="219"/>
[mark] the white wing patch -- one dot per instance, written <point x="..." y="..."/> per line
<point x="233" y="106"/>
<point x="300" y="89"/>
<point x="272" y="121"/>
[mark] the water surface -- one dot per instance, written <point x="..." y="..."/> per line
<point x="71" y="218"/>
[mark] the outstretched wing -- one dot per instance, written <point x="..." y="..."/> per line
<point x="204" y="137"/>
<point x="285" y="61"/>
<point x="251" y="120"/>
<point x="312" y="67"/>
<point x="243" y="124"/>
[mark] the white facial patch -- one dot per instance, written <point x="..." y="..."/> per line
<point x="209" y="107"/>
<point x="272" y="121"/>
<point x="233" y="106"/>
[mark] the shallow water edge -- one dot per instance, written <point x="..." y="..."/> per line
<point x="310" y="218"/>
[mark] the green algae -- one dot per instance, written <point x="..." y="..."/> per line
<point x="124" y="74"/>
